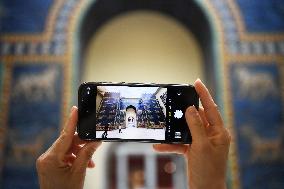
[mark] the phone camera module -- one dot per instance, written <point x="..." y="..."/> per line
<point x="179" y="93"/>
<point x="88" y="90"/>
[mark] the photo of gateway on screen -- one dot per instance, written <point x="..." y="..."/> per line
<point x="124" y="112"/>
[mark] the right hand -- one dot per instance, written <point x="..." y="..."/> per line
<point x="207" y="155"/>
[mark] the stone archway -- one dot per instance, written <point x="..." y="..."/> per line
<point x="188" y="13"/>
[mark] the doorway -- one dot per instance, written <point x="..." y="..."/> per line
<point x="124" y="51"/>
<point x="130" y="117"/>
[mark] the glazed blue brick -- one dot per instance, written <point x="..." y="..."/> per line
<point x="262" y="15"/>
<point x="28" y="16"/>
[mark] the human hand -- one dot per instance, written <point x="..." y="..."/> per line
<point x="207" y="155"/>
<point x="64" y="164"/>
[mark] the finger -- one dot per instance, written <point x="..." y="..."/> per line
<point x="205" y="97"/>
<point x="75" y="149"/>
<point x="77" y="144"/>
<point x="77" y="140"/>
<point x="84" y="156"/>
<point x="210" y="108"/>
<point x="171" y="148"/>
<point x="203" y="117"/>
<point x="210" y="131"/>
<point x="69" y="160"/>
<point x="195" y="124"/>
<point x="70" y="127"/>
<point x="63" y="143"/>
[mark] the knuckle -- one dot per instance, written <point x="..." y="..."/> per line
<point x="199" y="122"/>
<point x="40" y="163"/>
<point x="227" y="136"/>
<point x="62" y="132"/>
<point x="63" y="136"/>
<point x="188" y="110"/>
<point x="214" y="107"/>
<point x="193" y="113"/>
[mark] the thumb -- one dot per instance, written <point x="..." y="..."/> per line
<point x="195" y="124"/>
<point x="84" y="156"/>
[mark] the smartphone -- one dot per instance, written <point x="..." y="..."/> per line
<point x="135" y="112"/>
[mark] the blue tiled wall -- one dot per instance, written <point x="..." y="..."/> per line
<point x="263" y="15"/>
<point x="258" y="113"/>
<point x="27" y="16"/>
<point x="260" y="134"/>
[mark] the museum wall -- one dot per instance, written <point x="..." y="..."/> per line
<point x="42" y="61"/>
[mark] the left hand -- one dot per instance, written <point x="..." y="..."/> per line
<point x="64" y="164"/>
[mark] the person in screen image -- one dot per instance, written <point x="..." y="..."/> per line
<point x="64" y="164"/>
<point x="119" y="129"/>
<point x="131" y="122"/>
<point x="104" y="135"/>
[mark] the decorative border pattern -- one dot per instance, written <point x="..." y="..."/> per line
<point x="251" y="36"/>
<point x="51" y="42"/>
<point x="238" y="40"/>
<point x="47" y="33"/>
<point x="4" y="102"/>
<point x="223" y="83"/>
<point x="54" y="39"/>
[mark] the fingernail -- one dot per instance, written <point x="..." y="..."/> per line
<point x="72" y="109"/>
<point x="192" y="109"/>
<point x="198" y="79"/>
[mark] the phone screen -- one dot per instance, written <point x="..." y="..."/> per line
<point x="135" y="112"/>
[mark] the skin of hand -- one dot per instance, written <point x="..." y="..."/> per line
<point x="207" y="155"/>
<point x="64" y="164"/>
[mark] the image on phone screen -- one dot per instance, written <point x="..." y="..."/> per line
<point x="131" y="112"/>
